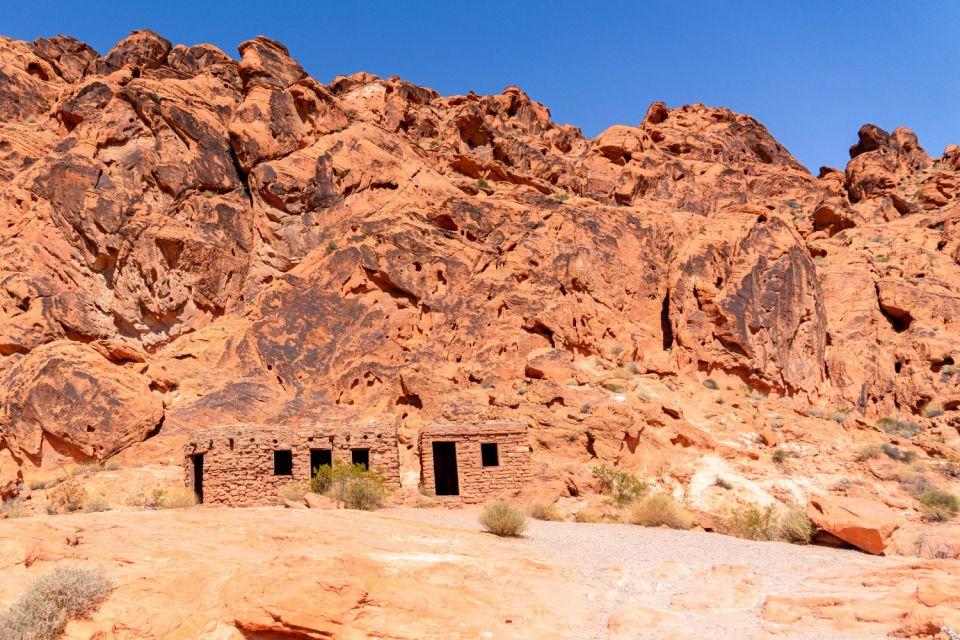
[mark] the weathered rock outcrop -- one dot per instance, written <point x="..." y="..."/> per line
<point x="185" y="238"/>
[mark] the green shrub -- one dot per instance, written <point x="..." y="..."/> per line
<point x="546" y="511"/>
<point x="658" y="510"/>
<point x="43" y="610"/>
<point x="710" y="383"/>
<point x="352" y="484"/>
<point x="561" y="197"/>
<point x="624" y="487"/>
<point x="752" y="523"/>
<point x="938" y="505"/>
<point x="176" y="498"/>
<point x="503" y="519"/>
<point x="331" y="247"/>
<point x="483" y="184"/>
<point x="902" y="428"/>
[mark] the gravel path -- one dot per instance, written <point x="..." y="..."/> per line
<point x="702" y="585"/>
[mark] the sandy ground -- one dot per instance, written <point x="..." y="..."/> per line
<point x="214" y="573"/>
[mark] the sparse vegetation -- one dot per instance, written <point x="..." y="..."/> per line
<point x="794" y="526"/>
<point x="503" y="519"/>
<point x="13" y="508"/>
<point x="293" y="491"/>
<point x="483" y="184"/>
<point x="67" y="497"/>
<point x="96" y="504"/>
<point x="659" y="509"/>
<point x="895" y="453"/>
<point x="780" y="455"/>
<point x="938" y="505"/>
<point x="839" y="415"/>
<point x="752" y="523"/>
<point x="561" y="197"/>
<point x="614" y="388"/>
<point x="546" y="511"/>
<point x="710" y="383"/>
<point x="586" y="407"/>
<point x="331" y="247"/>
<point x="207" y="193"/>
<point x="43" y="610"/>
<point x="36" y="485"/>
<point x="176" y="498"/>
<point x="932" y="411"/>
<point x="352" y="484"/>
<point x="622" y="486"/>
<point x="587" y="516"/>
<point x="902" y="428"/>
<point x="869" y="452"/>
<point x="433" y="144"/>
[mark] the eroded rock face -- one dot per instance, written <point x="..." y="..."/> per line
<point x="186" y="239"/>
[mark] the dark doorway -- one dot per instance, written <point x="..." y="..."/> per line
<point x="283" y="462"/>
<point x="360" y="457"/>
<point x="319" y="458"/>
<point x="445" y="468"/>
<point x="197" y="460"/>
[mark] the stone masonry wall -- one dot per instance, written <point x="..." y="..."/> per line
<point x="238" y="459"/>
<point x="479" y="483"/>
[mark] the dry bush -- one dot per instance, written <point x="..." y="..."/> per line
<point x="96" y="504"/>
<point x="657" y="510"/>
<point x="546" y="511"/>
<point x="293" y="491"/>
<point x="751" y="523"/>
<point x="503" y="518"/>
<point x="42" y="611"/>
<point x="795" y="526"/>
<point x="587" y="516"/>
<point x="938" y="505"/>
<point x="176" y="498"/>
<point x="13" y="508"/>
<point x="67" y="497"/>
<point x="869" y="452"/>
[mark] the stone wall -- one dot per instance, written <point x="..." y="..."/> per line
<point x="479" y="483"/>
<point x="238" y="459"/>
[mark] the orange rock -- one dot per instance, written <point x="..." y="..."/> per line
<point x="864" y="524"/>
<point x="316" y="501"/>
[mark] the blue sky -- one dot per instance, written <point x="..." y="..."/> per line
<point x="812" y="72"/>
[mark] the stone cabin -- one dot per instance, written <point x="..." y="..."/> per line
<point x="471" y="463"/>
<point x="246" y="465"/>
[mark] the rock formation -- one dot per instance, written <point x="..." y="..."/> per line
<point x="186" y="239"/>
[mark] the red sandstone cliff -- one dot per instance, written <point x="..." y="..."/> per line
<point x="186" y="240"/>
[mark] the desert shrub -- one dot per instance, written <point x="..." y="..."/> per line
<point x="902" y="428"/>
<point x="869" y="452"/>
<point x="624" y="487"/>
<point x="36" y="485"/>
<point x="13" y="508"/>
<point x="586" y="407"/>
<point x="66" y="497"/>
<point x="780" y="455"/>
<point x="546" y="511"/>
<point x="84" y="470"/>
<point x="710" y="383"/>
<point x="587" y="516"/>
<point x="293" y="491"/>
<point x="113" y="465"/>
<point x="840" y="415"/>
<point x="483" y="184"/>
<point x="42" y="611"/>
<point x="658" y="510"/>
<point x="895" y="453"/>
<point x="938" y="505"/>
<point x="794" y="526"/>
<point x="96" y="504"/>
<point x="176" y="498"/>
<point x="752" y="523"/>
<point x="561" y="197"/>
<point x="614" y="388"/>
<point x="932" y="411"/>
<point x="633" y="368"/>
<point x="503" y="518"/>
<point x="620" y="373"/>
<point x="331" y="247"/>
<point x="352" y="484"/>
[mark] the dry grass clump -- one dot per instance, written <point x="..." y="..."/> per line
<point x="293" y="491"/>
<point x="96" y="504"/>
<point x="546" y="511"/>
<point x="503" y="519"/>
<point x="42" y="611"/>
<point x="795" y="526"/>
<point x="869" y="452"/>
<point x="659" y="509"/>
<point x="938" y="505"/>
<point x="66" y="497"/>
<point x="587" y="516"/>
<point x="13" y="508"/>
<point x="176" y="498"/>
<point x="754" y="523"/>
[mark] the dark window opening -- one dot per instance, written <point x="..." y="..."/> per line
<point x="361" y="457"/>
<point x="320" y="458"/>
<point x="197" y="460"/>
<point x="283" y="462"/>
<point x="489" y="454"/>
<point x="445" y="469"/>
<point x="665" y="327"/>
